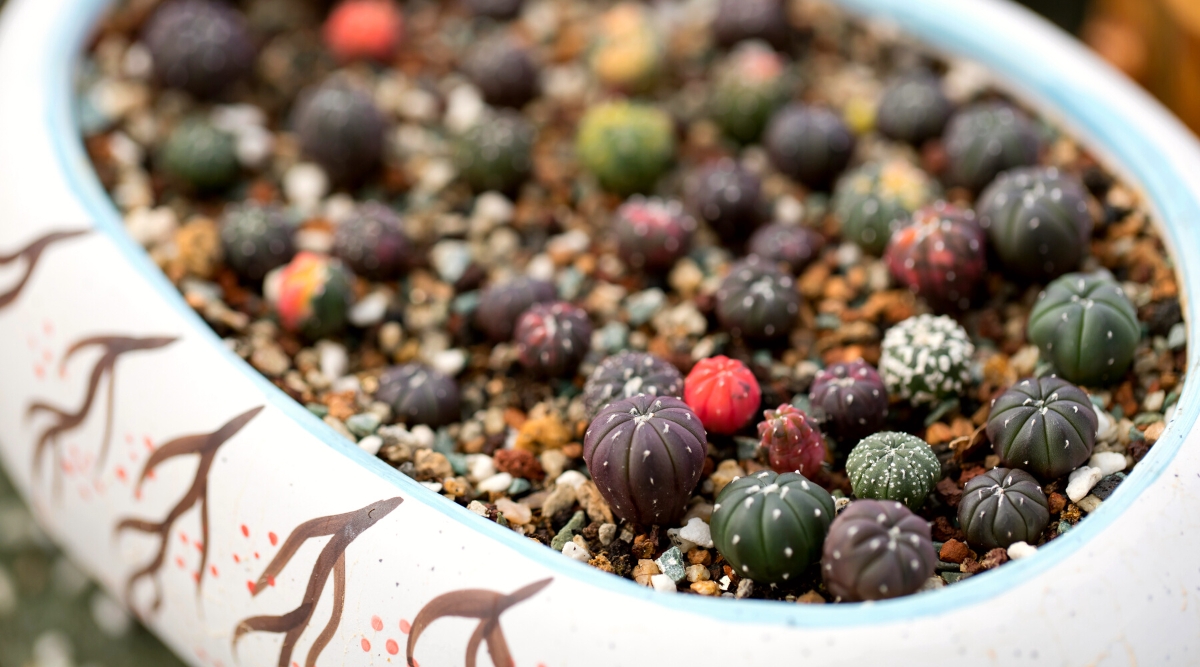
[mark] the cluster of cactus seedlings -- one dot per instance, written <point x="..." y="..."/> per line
<point x="740" y="207"/>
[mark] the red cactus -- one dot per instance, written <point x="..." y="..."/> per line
<point x="723" y="393"/>
<point x="792" y="441"/>
<point x="364" y="30"/>
<point x="939" y="255"/>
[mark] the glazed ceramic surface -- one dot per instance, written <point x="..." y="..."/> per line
<point x="244" y="531"/>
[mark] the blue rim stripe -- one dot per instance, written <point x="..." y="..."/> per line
<point x="951" y="26"/>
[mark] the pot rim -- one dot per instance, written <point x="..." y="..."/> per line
<point x="1050" y="70"/>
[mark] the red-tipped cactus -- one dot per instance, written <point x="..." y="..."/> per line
<point x="849" y="400"/>
<point x="723" y="392"/>
<point x="940" y="255"/>
<point x="877" y="550"/>
<point x="310" y="295"/>
<point x="792" y="441"/>
<point x="552" y="338"/>
<point x="652" y="233"/>
<point x="645" y="454"/>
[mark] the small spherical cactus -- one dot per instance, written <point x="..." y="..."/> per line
<point x="770" y="526"/>
<point x="749" y="87"/>
<point x="503" y="71"/>
<point x="810" y="144"/>
<point x="200" y="46"/>
<point x="201" y="156"/>
<point x="627" y="146"/>
<point x="985" y="139"/>
<point x="723" y="392"/>
<point x="728" y="197"/>
<point x="495" y="9"/>
<point x="913" y="109"/>
<point x="256" y="239"/>
<point x="628" y="374"/>
<point x="875" y="199"/>
<point x="552" y="338"/>
<point x="501" y="304"/>
<point x="363" y="30"/>
<point x="652" y="233"/>
<point x="792" y="441"/>
<point x="849" y="400"/>
<point x="496" y="154"/>
<point x="1037" y="220"/>
<point x="646" y="454"/>
<point x="310" y="295"/>
<point x="738" y="20"/>
<point x="1086" y="326"/>
<point x="340" y="128"/>
<point x="757" y="300"/>
<point x="939" y="255"/>
<point x="793" y="246"/>
<point x="372" y="242"/>
<point x="419" y="394"/>
<point x="893" y="466"/>
<point x="628" y="54"/>
<point x="925" y="359"/>
<point x="1002" y="506"/>
<point x="1044" y="425"/>
<point x="877" y="550"/>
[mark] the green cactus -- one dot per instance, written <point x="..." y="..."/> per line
<point x="924" y="359"/>
<point x="874" y="200"/>
<point x="750" y="86"/>
<point x="626" y="145"/>
<point x="1044" y="425"/>
<point x="1003" y="506"/>
<point x="770" y="527"/>
<point x="496" y="154"/>
<point x="201" y="156"/>
<point x="1086" y="326"/>
<point x="893" y="466"/>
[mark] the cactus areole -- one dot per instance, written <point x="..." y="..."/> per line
<point x="723" y="392"/>
<point x="645" y="454"/>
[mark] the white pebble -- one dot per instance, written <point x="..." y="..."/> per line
<point x="450" y="362"/>
<point x="540" y="267"/>
<point x="1106" y="430"/>
<point x="254" y="146"/>
<point x="1154" y="401"/>
<point x="334" y="360"/>
<point x="1090" y="503"/>
<point x="572" y="550"/>
<point x="436" y="176"/>
<point x="514" y="512"/>
<point x="423" y="435"/>
<point x="480" y="467"/>
<point x="477" y="507"/>
<point x="137" y="64"/>
<point x="8" y="594"/>
<point x="697" y="532"/>
<point x="1019" y="550"/>
<point x="496" y="483"/>
<point x="494" y="208"/>
<point x="663" y="584"/>
<point x="571" y="478"/>
<point x="684" y="545"/>
<point x="1081" y="482"/>
<point x="849" y="254"/>
<point x="789" y="209"/>
<point x="53" y="649"/>
<point x="608" y="533"/>
<point x="110" y="616"/>
<point x="371" y="444"/>
<point x="436" y="487"/>
<point x="1107" y="462"/>
<point x="370" y="309"/>
<point x="464" y="108"/>
<point x="450" y="259"/>
<point x="305" y="184"/>
<point x="151" y="227"/>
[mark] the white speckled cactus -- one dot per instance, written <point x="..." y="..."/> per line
<point x="925" y="358"/>
<point x="893" y="466"/>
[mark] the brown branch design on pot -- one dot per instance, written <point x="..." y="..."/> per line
<point x="331" y="563"/>
<point x="31" y="254"/>
<point x="64" y="420"/>
<point x="205" y="446"/>
<point x="485" y="605"/>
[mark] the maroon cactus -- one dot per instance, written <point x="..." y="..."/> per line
<point x="877" y="550"/>
<point x="849" y="400"/>
<point x="792" y="441"/>
<point x="645" y="454"/>
<point x="553" y="338"/>
<point x="652" y="233"/>
<point x="628" y="374"/>
<point x="501" y="304"/>
<point x="372" y="242"/>
<point x="940" y="255"/>
<point x="757" y="300"/>
<point x="792" y="245"/>
<point x="728" y="197"/>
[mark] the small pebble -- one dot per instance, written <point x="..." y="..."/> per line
<point x="53" y="649"/>
<point x="1107" y="462"/>
<point x="363" y="424"/>
<point x="684" y="545"/>
<point x="334" y="359"/>
<point x="1154" y="401"/>
<point x="663" y="584"/>
<point x="561" y="498"/>
<point x="1177" y="336"/>
<point x="480" y="467"/>
<point x="371" y="444"/>
<point x="553" y="461"/>
<point x="1019" y="550"/>
<point x="572" y="550"/>
<point x="305" y="184"/>
<point x="371" y="310"/>
<point x="697" y="532"/>
<point x="607" y="533"/>
<point x="477" y="507"/>
<point x="644" y="570"/>
<point x="450" y="259"/>
<point x="514" y="512"/>
<point x="1081" y="482"/>
<point x="568" y="531"/>
<point x="451" y="362"/>
<point x="697" y="573"/>
<point x="110" y="616"/>
<point x="571" y="478"/>
<point x="709" y="588"/>
<point x="1106" y="430"/>
<point x="745" y="588"/>
<point x="497" y="483"/>
<point x="932" y="584"/>
<point x="671" y="564"/>
<point x="1089" y="503"/>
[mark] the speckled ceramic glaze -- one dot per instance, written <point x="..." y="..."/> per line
<point x="246" y="532"/>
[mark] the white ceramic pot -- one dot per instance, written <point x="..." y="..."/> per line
<point x="244" y="531"/>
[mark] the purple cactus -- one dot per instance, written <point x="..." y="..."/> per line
<point x="628" y="374"/>
<point x="849" y="400"/>
<point x="339" y="126"/>
<point x="877" y="550"/>
<point x="503" y="71"/>
<point x="372" y="242"/>
<point x="552" y="338"/>
<point x="652" y="233"/>
<point x="199" y="46"/>
<point x="792" y="245"/>
<point x="419" y="394"/>
<point x="728" y="197"/>
<point x="645" y="454"/>
<point x="500" y="305"/>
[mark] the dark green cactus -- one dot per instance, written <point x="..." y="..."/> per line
<point x="985" y="139"/>
<point x="1037" y="220"/>
<point x="1044" y="425"/>
<point x="1086" y="326"/>
<point x="750" y="86"/>
<point x="810" y="144"/>
<point x="1002" y="506"/>
<point x="757" y="300"/>
<point x="913" y="109"/>
<point x="770" y="527"/>
<point x="496" y="154"/>
<point x="877" y="198"/>
<point x="893" y="466"/>
<point x="256" y="238"/>
<point x="201" y="156"/>
<point x="627" y="146"/>
<point x="925" y="359"/>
